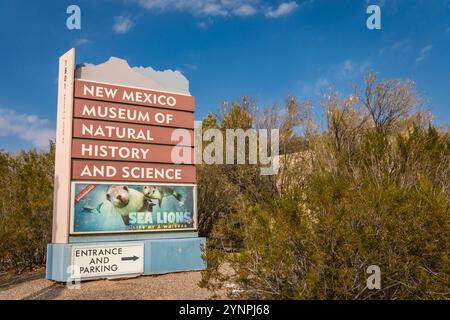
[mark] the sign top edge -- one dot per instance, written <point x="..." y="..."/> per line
<point x="116" y="71"/>
<point x="130" y="87"/>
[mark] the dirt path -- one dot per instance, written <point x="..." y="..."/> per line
<point x="33" y="285"/>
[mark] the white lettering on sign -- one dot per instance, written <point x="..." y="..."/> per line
<point x="107" y="261"/>
<point x="89" y="150"/>
<point x="132" y="96"/>
<point x="151" y="173"/>
<point x="161" y="217"/>
<point x="149" y="98"/>
<point x="118" y="132"/>
<point x="99" y="92"/>
<point x="105" y="171"/>
<point x="162" y="118"/>
<point x="116" y="113"/>
<point x="98" y="171"/>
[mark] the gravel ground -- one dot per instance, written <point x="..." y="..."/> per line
<point x="34" y="286"/>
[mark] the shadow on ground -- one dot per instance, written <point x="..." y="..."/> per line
<point x="48" y="293"/>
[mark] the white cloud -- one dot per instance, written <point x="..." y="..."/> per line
<point x="424" y="53"/>
<point x="349" y="69"/>
<point x="27" y="127"/>
<point x="215" y="8"/>
<point x="283" y="9"/>
<point x="81" y="41"/>
<point x="364" y="67"/>
<point x="403" y="45"/>
<point x="191" y="66"/>
<point x="195" y="7"/>
<point x="320" y="85"/>
<point x="321" y="82"/>
<point x="122" y="24"/>
<point x="447" y="30"/>
<point x="315" y="87"/>
<point x="245" y="10"/>
<point x="205" y="24"/>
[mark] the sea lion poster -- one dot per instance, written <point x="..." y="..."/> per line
<point x="116" y="207"/>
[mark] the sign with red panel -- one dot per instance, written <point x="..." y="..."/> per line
<point x="128" y="134"/>
<point x="117" y="131"/>
<point x="124" y="151"/>
<point x="100" y="110"/>
<point x="136" y="96"/>
<point x="118" y="135"/>
<point x="126" y="171"/>
<point x="124" y="163"/>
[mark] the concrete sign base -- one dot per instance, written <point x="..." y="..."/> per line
<point x="99" y="260"/>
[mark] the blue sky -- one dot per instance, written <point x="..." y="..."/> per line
<point x="226" y="48"/>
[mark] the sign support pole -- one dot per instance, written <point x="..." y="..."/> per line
<point x="61" y="203"/>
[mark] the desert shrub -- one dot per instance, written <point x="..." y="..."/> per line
<point x="25" y="208"/>
<point x="223" y="187"/>
<point x="376" y="193"/>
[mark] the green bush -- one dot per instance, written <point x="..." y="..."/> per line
<point x="25" y="208"/>
<point x="375" y="193"/>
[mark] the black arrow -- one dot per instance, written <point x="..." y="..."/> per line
<point x="134" y="258"/>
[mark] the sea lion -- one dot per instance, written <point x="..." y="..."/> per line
<point x="159" y="193"/>
<point x="126" y="200"/>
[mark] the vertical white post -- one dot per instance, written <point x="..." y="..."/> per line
<point x="61" y="196"/>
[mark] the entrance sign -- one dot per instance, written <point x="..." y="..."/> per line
<point x="117" y="133"/>
<point x="107" y="260"/>
<point x="124" y="175"/>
